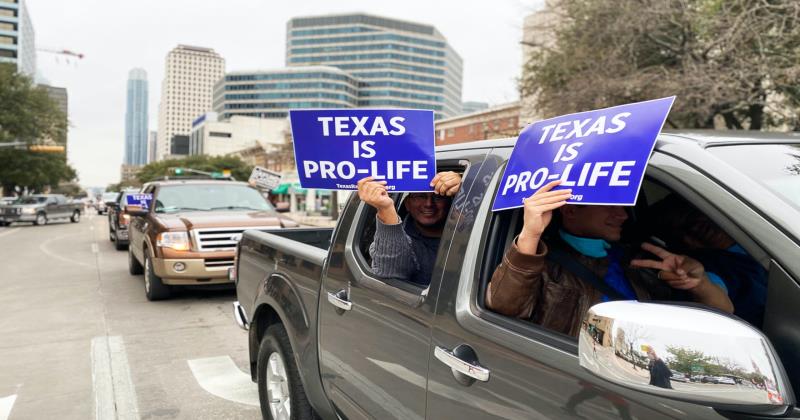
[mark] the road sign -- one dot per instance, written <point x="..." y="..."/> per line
<point x="264" y="178"/>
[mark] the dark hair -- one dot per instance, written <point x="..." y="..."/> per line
<point x="673" y="219"/>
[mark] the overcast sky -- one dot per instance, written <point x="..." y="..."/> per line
<point x="116" y="36"/>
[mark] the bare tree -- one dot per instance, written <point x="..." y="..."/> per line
<point x="735" y="61"/>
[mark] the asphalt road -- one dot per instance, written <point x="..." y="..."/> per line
<point x="79" y="340"/>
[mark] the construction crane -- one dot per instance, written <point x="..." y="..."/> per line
<point x="67" y="53"/>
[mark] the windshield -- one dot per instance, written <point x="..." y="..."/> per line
<point x="110" y="196"/>
<point x="777" y="167"/>
<point x="203" y="197"/>
<point x="32" y="200"/>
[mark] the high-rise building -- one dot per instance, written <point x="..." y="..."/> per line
<point x="152" y="146"/>
<point x="215" y="137"/>
<point x="17" y="39"/>
<point x="271" y="93"/>
<point x="398" y="63"/>
<point x="186" y="92"/>
<point x="136" y="119"/>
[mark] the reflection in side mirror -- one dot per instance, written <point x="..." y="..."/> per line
<point x="683" y="353"/>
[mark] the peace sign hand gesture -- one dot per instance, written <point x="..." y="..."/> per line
<point x="679" y="271"/>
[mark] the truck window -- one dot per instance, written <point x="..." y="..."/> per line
<point x="403" y="254"/>
<point x="664" y="217"/>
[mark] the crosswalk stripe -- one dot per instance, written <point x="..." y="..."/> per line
<point x="220" y="376"/>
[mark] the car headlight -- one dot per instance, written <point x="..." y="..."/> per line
<point x="29" y="211"/>
<point x="178" y="241"/>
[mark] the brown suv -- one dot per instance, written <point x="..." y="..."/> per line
<point x="188" y="236"/>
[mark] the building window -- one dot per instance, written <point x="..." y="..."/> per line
<point x="218" y="134"/>
<point x="8" y="12"/>
<point x="7" y="40"/>
<point x="8" y="53"/>
<point x="451" y="132"/>
<point x="7" y="26"/>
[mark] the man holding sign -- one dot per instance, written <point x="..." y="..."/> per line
<point x="555" y="284"/>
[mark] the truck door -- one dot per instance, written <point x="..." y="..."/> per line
<point x="374" y="333"/>
<point x="516" y="369"/>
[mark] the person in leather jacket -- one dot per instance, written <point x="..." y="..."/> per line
<point x="530" y="286"/>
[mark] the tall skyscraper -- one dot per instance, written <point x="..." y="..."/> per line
<point x="17" y="39"/>
<point x="186" y="92"/>
<point x="398" y="63"/>
<point x="136" y="119"/>
<point x="272" y="93"/>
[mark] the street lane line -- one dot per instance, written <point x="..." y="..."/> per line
<point x="114" y="393"/>
<point x="94" y="248"/>
<point x="6" y="404"/>
<point x="9" y="231"/>
<point x="43" y="248"/>
<point x="221" y="377"/>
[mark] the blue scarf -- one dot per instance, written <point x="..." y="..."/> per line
<point x="599" y="248"/>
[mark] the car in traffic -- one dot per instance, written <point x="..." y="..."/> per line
<point x="118" y="220"/>
<point x="40" y="209"/>
<point x="101" y="205"/>
<point x="678" y="376"/>
<point x="188" y="236"/>
<point x="328" y="337"/>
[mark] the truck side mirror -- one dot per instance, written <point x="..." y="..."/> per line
<point x="136" y="211"/>
<point x="660" y="349"/>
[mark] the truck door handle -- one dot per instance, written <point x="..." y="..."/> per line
<point x="469" y="368"/>
<point x="339" y="300"/>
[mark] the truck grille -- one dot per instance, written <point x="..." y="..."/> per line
<point x="222" y="239"/>
<point x="218" y="263"/>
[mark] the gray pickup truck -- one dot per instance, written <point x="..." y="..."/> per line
<point x="40" y="209"/>
<point x="329" y="338"/>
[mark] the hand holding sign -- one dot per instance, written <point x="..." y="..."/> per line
<point x="538" y="213"/>
<point x="446" y="183"/>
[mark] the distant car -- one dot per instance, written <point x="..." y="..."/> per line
<point x="7" y="200"/>
<point x="725" y="380"/>
<point x="105" y="199"/>
<point x="118" y="221"/>
<point x="40" y="209"/>
<point x="677" y="376"/>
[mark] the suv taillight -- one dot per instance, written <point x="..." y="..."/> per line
<point x="124" y="218"/>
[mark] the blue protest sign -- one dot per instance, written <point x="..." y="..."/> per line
<point x="334" y="148"/>
<point x="601" y="155"/>
<point x="139" y="200"/>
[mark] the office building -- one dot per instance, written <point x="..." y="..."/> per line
<point x="397" y="63"/>
<point x="214" y="137"/>
<point x="17" y="39"/>
<point x="186" y="92"/>
<point x="60" y="97"/>
<point x="152" y="146"/>
<point x="472" y="106"/>
<point x="136" y="119"/>
<point x="271" y="93"/>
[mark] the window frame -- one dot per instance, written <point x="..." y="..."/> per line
<point x="403" y="291"/>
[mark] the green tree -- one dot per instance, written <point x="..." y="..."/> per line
<point x="162" y="168"/>
<point x="33" y="170"/>
<point x="735" y="61"/>
<point x="27" y="113"/>
<point x="684" y="360"/>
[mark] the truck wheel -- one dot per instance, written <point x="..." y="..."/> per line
<point x="76" y="217"/>
<point x="134" y="266"/>
<point x="154" y="288"/>
<point x="120" y="246"/>
<point x="4" y="224"/>
<point x="41" y="219"/>
<point x="111" y="235"/>
<point x="280" y="391"/>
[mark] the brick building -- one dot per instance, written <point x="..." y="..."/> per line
<point x="491" y="123"/>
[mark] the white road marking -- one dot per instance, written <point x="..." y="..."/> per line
<point x="94" y="248"/>
<point x="220" y="376"/>
<point x="43" y="248"/>
<point x="91" y="227"/>
<point x="6" y="404"/>
<point x="8" y="231"/>
<point x="114" y="393"/>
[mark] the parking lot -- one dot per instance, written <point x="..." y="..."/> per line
<point x="79" y="338"/>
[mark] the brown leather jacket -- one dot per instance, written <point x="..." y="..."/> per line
<point x="532" y="288"/>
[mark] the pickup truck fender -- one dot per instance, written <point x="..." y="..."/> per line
<point x="278" y="302"/>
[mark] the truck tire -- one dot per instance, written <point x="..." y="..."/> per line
<point x="279" y="380"/>
<point x="118" y="245"/>
<point x="154" y="288"/>
<point x="41" y="219"/>
<point x="76" y="217"/>
<point x="4" y="224"/>
<point x="134" y="266"/>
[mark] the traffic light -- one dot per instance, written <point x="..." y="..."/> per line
<point x="178" y="171"/>
<point x="43" y="148"/>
